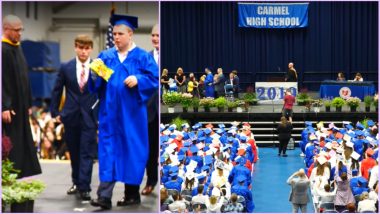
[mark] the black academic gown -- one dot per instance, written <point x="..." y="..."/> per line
<point x="16" y="96"/>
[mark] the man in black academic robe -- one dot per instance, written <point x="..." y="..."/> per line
<point x="17" y="100"/>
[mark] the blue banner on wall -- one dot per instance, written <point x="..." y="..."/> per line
<point x="273" y="15"/>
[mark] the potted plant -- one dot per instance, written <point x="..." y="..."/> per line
<point x="178" y="121"/>
<point x="353" y="103"/>
<point x="220" y="103"/>
<point x="317" y="104"/>
<point x="338" y="102"/>
<point x="302" y="98"/>
<point x="376" y="102"/>
<point x="239" y="104"/>
<point x="195" y="104"/>
<point x="20" y="195"/>
<point x="231" y="105"/>
<point x="327" y="104"/>
<point x="367" y="103"/>
<point x="250" y="98"/>
<point x="207" y="103"/>
<point x="171" y="99"/>
<point x="186" y="101"/>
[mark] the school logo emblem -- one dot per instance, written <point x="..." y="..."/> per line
<point x="345" y="92"/>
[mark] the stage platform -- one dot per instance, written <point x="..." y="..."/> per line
<point x="57" y="177"/>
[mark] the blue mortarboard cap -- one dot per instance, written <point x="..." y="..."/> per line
<point x="208" y="159"/>
<point x="173" y="174"/>
<point x="243" y="138"/>
<point x="130" y="21"/>
<point x="207" y="131"/>
<point x="164" y="138"/>
<point x="352" y="134"/>
<point x="240" y="178"/>
<point x="221" y="125"/>
<point x="370" y="123"/>
<point x="327" y="140"/>
<point x="174" y="169"/>
<point x="187" y="143"/>
<point x="362" y="180"/>
<point x="230" y="139"/>
<point x="308" y="123"/>
<point x="343" y="131"/>
<point x="219" y="131"/>
<point x="171" y="128"/>
<point x="355" y="172"/>
<point x="162" y="159"/>
<point x="226" y="147"/>
<point x="172" y="136"/>
<point x="194" y="149"/>
<point x="201" y="139"/>
<point x="206" y="148"/>
<point x="339" y="141"/>
<point x="181" y="157"/>
<point x="349" y="127"/>
<point x="201" y="133"/>
<point x="183" y="150"/>
<point x="359" y="133"/>
<point x="205" y="168"/>
<point x="201" y="177"/>
<point x="359" y="125"/>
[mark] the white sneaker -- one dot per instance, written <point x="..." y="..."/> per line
<point x="302" y="155"/>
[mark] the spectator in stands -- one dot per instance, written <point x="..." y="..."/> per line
<point x="17" y="100"/>
<point x="165" y="81"/>
<point x="284" y="130"/>
<point x="358" y="77"/>
<point x="340" y="77"/>
<point x="192" y="86"/>
<point x="298" y="195"/>
<point x="180" y="80"/>
<point x="291" y="76"/>
<point x="178" y="205"/>
<point x="287" y="109"/>
<point x="326" y="196"/>
<point x="351" y="208"/>
<point x="366" y="204"/>
<point x="77" y="115"/>
<point x="209" y="83"/>
<point x="164" y="199"/>
<point x="213" y="205"/>
<point x="200" y="198"/>
<point x="219" y="83"/>
<point x="344" y="194"/>
<point x="234" y="206"/>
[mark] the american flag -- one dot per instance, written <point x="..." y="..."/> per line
<point x="109" y="36"/>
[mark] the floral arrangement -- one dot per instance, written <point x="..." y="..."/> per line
<point x="368" y="101"/>
<point x="171" y="98"/>
<point x="338" y="102"/>
<point x="220" y="102"/>
<point x="353" y="102"/>
<point x="186" y="100"/>
<point x="206" y="102"/>
<point x="317" y="103"/>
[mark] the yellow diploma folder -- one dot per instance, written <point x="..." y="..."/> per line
<point x="101" y="69"/>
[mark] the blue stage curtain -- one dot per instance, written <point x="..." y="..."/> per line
<point x="340" y="37"/>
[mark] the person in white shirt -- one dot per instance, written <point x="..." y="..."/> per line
<point x="326" y="196"/>
<point x="366" y="204"/>
<point x="178" y="205"/>
<point x="200" y="198"/>
<point x="358" y="78"/>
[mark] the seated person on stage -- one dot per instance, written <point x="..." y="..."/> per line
<point x="340" y="77"/>
<point x="358" y="78"/>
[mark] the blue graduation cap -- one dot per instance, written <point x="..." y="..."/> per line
<point x="343" y="131"/>
<point x="339" y="141"/>
<point x="164" y="139"/>
<point x="201" y="133"/>
<point x="183" y="150"/>
<point x="370" y="123"/>
<point x="226" y="147"/>
<point x="173" y="175"/>
<point x="194" y="149"/>
<point x="349" y="127"/>
<point x="243" y="138"/>
<point x="174" y="169"/>
<point x="201" y="139"/>
<point x="240" y="178"/>
<point x="173" y="136"/>
<point x="352" y="134"/>
<point x="219" y="131"/>
<point x="362" y="180"/>
<point x="308" y="123"/>
<point x="359" y="133"/>
<point x="205" y="168"/>
<point x="181" y="157"/>
<point x="230" y="139"/>
<point x="221" y="125"/>
<point x="208" y="159"/>
<point x="359" y="126"/>
<point x="187" y="143"/>
<point x="130" y="21"/>
<point x="162" y="159"/>
<point x="207" y="131"/>
<point x="355" y="172"/>
<point x="200" y="178"/>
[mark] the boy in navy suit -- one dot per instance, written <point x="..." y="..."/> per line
<point x="78" y="115"/>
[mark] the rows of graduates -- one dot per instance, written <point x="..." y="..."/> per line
<point x="342" y="165"/>
<point x="208" y="85"/>
<point x="207" y="168"/>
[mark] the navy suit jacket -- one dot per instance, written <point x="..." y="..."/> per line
<point x="77" y="110"/>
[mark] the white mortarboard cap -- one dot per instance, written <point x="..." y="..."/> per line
<point x="193" y="163"/>
<point x="347" y="137"/>
<point x="190" y="175"/>
<point x="328" y="145"/>
<point x="355" y="155"/>
<point x="173" y="145"/>
<point x="350" y="144"/>
<point x="169" y="150"/>
<point x="321" y="159"/>
<point x="215" y="192"/>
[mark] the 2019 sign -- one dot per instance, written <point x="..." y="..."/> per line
<point x="274" y="90"/>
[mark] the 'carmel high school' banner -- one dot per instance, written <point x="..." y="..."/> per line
<point x="273" y="15"/>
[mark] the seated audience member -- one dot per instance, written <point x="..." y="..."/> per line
<point x="366" y="204"/>
<point x="326" y="196"/>
<point x="200" y="198"/>
<point x="340" y="77"/>
<point x="351" y="208"/>
<point x="178" y="205"/>
<point x="213" y="205"/>
<point x="165" y="199"/>
<point x="358" y="78"/>
<point x="234" y="206"/>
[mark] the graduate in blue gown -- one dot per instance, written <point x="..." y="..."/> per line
<point x="123" y="124"/>
<point x="209" y="84"/>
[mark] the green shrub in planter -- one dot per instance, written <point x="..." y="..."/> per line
<point x="327" y="103"/>
<point x="195" y="102"/>
<point x="206" y="102"/>
<point x="338" y="102"/>
<point x="250" y="97"/>
<point x="178" y="122"/>
<point x="186" y="100"/>
<point x="220" y="102"/>
<point x="232" y="104"/>
<point x="368" y="100"/>
<point x="353" y="102"/>
<point x="171" y="98"/>
<point x="302" y="98"/>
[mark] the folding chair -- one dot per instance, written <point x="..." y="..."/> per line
<point x="229" y="92"/>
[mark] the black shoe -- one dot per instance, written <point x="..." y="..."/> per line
<point x="72" y="190"/>
<point x="284" y="155"/>
<point x="104" y="203"/>
<point x="85" y="196"/>
<point x="127" y="202"/>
